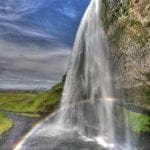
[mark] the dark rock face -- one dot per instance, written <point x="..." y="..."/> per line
<point x="127" y="24"/>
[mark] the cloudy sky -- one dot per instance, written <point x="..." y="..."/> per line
<point x="36" y="39"/>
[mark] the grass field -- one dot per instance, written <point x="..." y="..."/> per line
<point x="31" y="102"/>
<point x="5" y="123"/>
<point x="16" y="101"/>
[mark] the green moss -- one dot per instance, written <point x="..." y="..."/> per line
<point x="5" y="123"/>
<point x="138" y="122"/>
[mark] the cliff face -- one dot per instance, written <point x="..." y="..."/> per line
<point x="127" y="24"/>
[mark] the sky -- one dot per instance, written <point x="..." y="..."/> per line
<point x="36" y="39"/>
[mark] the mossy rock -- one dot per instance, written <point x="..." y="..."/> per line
<point x="138" y="95"/>
<point x="136" y="122"/>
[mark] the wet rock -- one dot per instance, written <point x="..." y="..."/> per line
<point x="127" y="26"/>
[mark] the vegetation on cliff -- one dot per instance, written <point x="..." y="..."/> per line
<point x="138" y="122"/>
<point x="127" y="25"/>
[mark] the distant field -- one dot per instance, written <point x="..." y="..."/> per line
<point x="30" y="102"/>
<point x="16" y="101"/>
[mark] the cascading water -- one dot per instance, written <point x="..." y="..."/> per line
<point x="88" y="79"/>
<point x="85" y="119"/>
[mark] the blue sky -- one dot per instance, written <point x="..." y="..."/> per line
<point x="53" y="21"/>
<point x="36" y="38"/>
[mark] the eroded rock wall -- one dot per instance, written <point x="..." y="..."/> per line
<point x="127" y="24"/>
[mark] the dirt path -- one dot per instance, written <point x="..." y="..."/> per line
<point x="21" y="125"/>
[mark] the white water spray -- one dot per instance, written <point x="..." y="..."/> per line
<point x="89" y="79"/>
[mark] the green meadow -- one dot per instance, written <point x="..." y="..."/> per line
<point x="30" y="104"/>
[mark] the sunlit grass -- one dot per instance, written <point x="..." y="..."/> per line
<point x="31" y="102"/>
<point x="138" y="122"/>
<point x="5" y="123"/>
<point x="15" y="101"/>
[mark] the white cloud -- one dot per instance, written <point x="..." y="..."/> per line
<point x="15" y="9"/>
<point x="27" y="31"/>
<point x="70" y="12"/>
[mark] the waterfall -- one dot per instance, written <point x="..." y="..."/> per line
<point x="87" y="100"/>
<point x="87" y="105"/>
